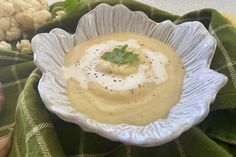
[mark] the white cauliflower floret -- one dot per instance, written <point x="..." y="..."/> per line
<point x="25" y="19"/>
<point x="40" y="17"/>
<point x="13" y="33"/>
<point x="24" y="46"/>
<point x="37" y="5"/>
<point x="5" y="46"/>
<point x="20" y="5"/>
<point x="17" y="16"/>
<point x="5" y="23"/>
<point x="6" y="9"/>
<point x="43" y="3"/>
<point x="60" y="14"/>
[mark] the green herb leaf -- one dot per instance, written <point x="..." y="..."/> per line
<point x="71" y="5"/>
<point x="120" y="56"/>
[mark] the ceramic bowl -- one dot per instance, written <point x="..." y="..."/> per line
<point x="192" y="43"/>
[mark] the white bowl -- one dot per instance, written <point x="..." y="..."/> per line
<point x="192" y="43"/>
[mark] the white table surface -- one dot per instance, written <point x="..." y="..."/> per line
<point x="181" y="7"/>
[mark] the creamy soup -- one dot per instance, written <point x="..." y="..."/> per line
<point x="132" y="93"/>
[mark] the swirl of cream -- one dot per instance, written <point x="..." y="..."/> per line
<point x="86" y="70"/>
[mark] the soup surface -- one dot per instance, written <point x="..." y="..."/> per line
<point x="137" y="92"/>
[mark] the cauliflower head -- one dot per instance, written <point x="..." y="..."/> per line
<point x="18" y="16"/>
<point x="24" y="46"/>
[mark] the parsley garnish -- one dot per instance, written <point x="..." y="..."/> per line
<point x="120" y="56"/>
<point x="71" y="5"/>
